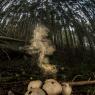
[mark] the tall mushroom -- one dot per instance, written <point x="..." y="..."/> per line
<point x="52" y="87"/>
<point x="66" y="89"/>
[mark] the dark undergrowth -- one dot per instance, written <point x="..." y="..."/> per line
<point x="16" y="69"/>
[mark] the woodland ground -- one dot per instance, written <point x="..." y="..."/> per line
<point x="15" y="71"/>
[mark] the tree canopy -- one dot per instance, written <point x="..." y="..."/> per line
<point x="71" y="22"/>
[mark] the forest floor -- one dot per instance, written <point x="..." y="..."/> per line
<point x="15" y="74"/>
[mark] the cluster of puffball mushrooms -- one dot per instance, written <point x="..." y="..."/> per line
<point x="49" y="87"/>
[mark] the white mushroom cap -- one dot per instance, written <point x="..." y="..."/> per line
<point x="34" y="84"/>
<point x="52" y="87"/>
<point x="35" y="91"/>
<point x="66" y="89"/>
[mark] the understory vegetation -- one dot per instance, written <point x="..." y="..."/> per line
<point x="71" y="33"/>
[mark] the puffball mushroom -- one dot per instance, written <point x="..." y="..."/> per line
<point x="34" y="84"/>
<point x="35" y="91"/>
<point x="66" y="89"/>
<point x="52" y="87"/>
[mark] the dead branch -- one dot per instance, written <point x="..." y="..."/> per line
<point x="10" y="39"/>
<point x="80" y="83"/>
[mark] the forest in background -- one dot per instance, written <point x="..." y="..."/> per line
<point x="71" y="24"/>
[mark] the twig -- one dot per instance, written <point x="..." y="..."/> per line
<point x="6" y="54"/>
<point x="76" y="77"/>
<point x="80" y="83"/>
<point x="11" y="39"/>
